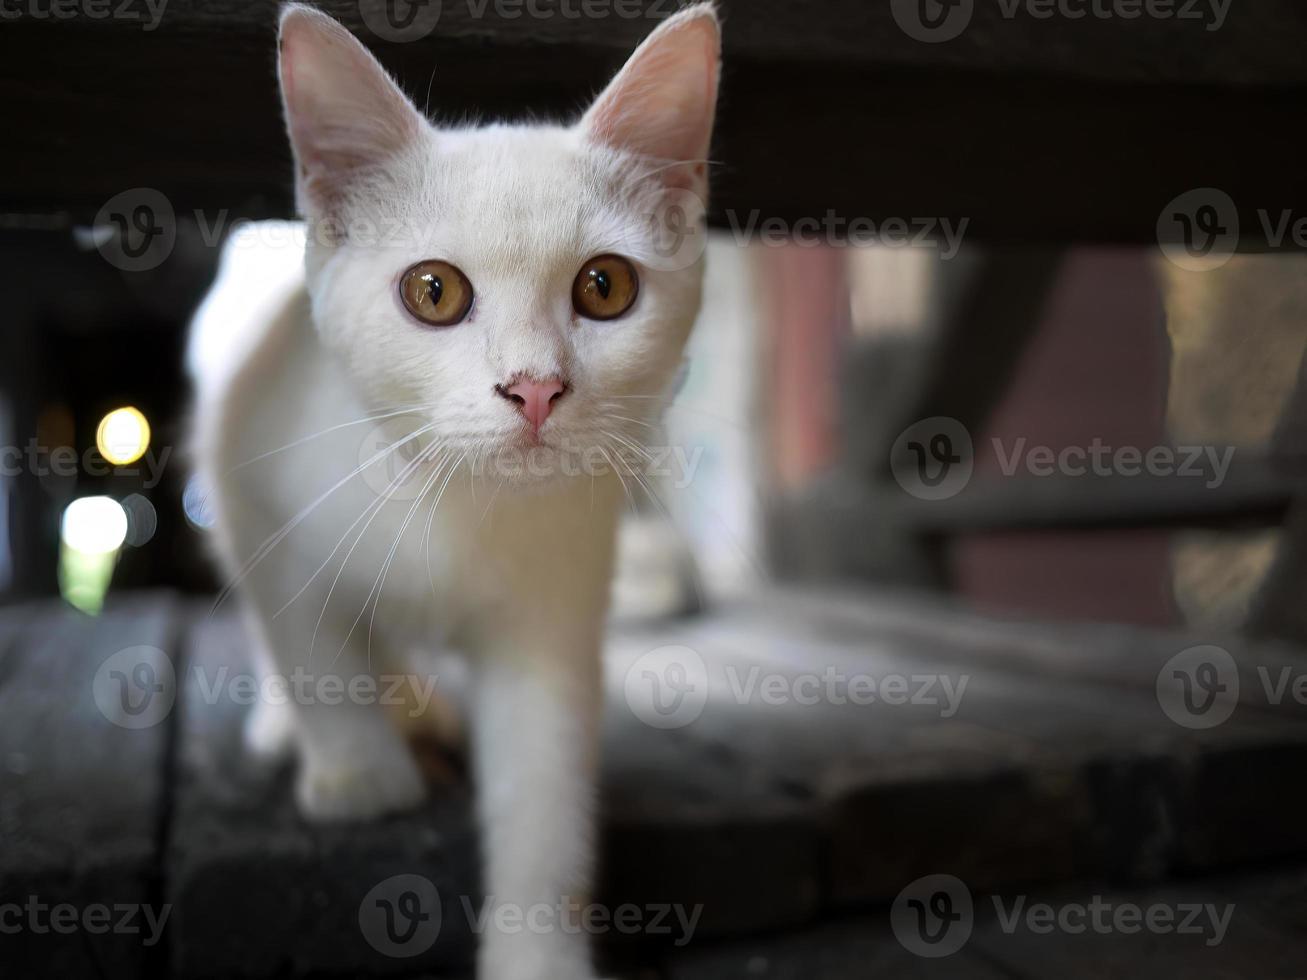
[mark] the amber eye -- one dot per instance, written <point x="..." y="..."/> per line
<point x="605" y="287"/>
<point x="436" y="293"/>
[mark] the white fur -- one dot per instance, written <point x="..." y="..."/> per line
<point x="514" y="569"/>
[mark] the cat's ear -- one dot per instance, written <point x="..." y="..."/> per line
<point x="662" y="103"/>
<point x="345" y="115"/>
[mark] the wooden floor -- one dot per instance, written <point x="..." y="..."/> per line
<point x="803" y="828"/>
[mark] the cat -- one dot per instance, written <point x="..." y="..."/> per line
<point x="499" y="297"/>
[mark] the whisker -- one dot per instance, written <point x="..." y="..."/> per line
<point x="431" y="517"/>
<point x="379" y="502"/>
<point x="385" y="498"/>
<point x="603" y="449"/>
<point x="380" y="585"/>
<point x="278" y="536"/>
<point x="317" y="435"/>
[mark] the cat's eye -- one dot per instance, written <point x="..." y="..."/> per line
<point x="436" y="292"/>
<point x="605" y="287"/>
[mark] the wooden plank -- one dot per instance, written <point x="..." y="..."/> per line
<point x="1264" y="938"/>
<point x="844" y="950"/>
<point x="1044" y="111"/>
<point x="82" y="789"/>
<point x="1249" y="944"/>
<point x="251" y="883"/>
<point x="1060" y="777"/>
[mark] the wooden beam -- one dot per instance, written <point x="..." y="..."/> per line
<point x="1031" y="130"/>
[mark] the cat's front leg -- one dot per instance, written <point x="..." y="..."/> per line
<point x="354" y="764"/>
<point x="534" y="751"/>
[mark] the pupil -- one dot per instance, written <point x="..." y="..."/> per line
<point x="602" y="282"/>
<point x="434" y="288"/>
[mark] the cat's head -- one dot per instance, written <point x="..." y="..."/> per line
<point x="521" y="287"/>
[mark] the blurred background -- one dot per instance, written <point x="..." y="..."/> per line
<point x="811" y="360"/>
<point x="994" y="413"/>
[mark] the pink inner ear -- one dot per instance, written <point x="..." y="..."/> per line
<point x="662" y="102"/>
<point x="343" y="111"/>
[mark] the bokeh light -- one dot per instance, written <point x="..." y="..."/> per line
<point x="195" y="503"/>
<point x="94" y="525"/>
<point x="142" y="519"/>
<point x="92" y="531"/>
<point x="123" y="436"/>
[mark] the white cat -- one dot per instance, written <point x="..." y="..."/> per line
<point x="503" y="293"/>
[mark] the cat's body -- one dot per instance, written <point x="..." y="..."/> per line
<point x="499" y="545"/>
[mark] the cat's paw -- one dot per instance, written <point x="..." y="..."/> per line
<point x="270" y="731"/>
<point x="348" y="790"/>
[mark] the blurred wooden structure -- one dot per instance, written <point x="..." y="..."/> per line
<point x="1037" y="130"/>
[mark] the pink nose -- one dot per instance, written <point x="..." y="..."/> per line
<point x="534" y="399"/>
